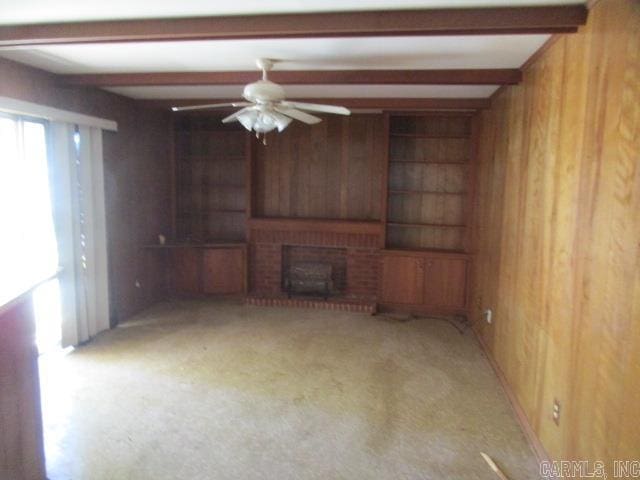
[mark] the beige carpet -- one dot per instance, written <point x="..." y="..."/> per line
<point x="217" y="390"/>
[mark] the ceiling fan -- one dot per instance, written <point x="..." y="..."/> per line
<point x="266" y="109"/>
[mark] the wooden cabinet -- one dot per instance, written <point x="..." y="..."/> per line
<point x="444" y="282"/>
<point x="402" y="279"/>
<point x="223" y="271"/>
<point x="430" y="282"/>
<point x="207" y="269"/>
<point x="429" y="189"/>
<point x="185" y="270"/>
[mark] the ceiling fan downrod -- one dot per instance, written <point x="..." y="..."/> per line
<point x="265" y="64"/>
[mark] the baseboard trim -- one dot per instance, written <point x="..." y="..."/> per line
<point x="533" y="440"/>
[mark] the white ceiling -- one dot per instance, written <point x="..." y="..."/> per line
<point x="445" y="52"/>
<point x="40" y="11"/>
<point x="314" y="91"/>
<point x="431" y="52"/>
<point x="476" y="51"/>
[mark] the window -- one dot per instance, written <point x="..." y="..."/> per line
<point x="28" y="251"/>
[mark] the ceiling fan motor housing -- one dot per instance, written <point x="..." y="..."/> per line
<point x="263" y="91"/>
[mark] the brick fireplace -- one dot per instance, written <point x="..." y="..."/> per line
<point x="351" y="248"/>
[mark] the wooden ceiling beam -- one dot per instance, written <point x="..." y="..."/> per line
<point x="315" y="77"/>
<point x="354" y="103"/>
<point x="463" y="21"/>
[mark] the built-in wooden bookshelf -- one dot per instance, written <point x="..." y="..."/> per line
<point x="428" y="181"/>
<point x="400" y="182"/>
<point x="210" y="168"/>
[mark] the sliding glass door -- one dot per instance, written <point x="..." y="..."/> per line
<point x="28" y="250"/>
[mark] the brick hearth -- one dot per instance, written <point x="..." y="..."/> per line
<point x="344" y="306"/>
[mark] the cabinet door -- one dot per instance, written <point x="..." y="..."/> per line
<point x="402" y="279"/>
<point x="186" y="263"/>
<point x="445" y="282"/>
<point x="223" y="271"/>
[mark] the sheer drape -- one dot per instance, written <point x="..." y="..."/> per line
<point x="77" y="186"/>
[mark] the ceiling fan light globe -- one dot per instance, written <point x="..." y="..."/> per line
<point x="281" y="121"/>
<point x="247" y="119"/>
<point x="264" y="123"/>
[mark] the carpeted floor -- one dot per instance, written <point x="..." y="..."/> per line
<point x="217" y="390"/>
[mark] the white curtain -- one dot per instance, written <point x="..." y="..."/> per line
<point x="77" y="186"/>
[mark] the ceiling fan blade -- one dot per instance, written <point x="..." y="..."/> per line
<point x="316" y="107"/>
<point x="298" y="115"/>
<point x="210" y="105"/>
<point x="236" y="115"/>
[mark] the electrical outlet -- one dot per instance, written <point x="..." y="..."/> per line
<point x="556" y="411"/>
<point x="488" y="316"/>
<point x="138" y="284"/>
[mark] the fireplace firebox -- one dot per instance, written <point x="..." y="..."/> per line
<point x="309" y="278"/>
<point x="313" y="271"/>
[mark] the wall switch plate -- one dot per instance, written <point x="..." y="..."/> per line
<point x="138" y="284"/>
<point x="488" y="315"/>
<point x="556" y="411"/>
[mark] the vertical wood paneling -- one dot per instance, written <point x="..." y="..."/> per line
<point x="21" y="445"/>
<point x="557" y="237"/>
<point x="328" y="170"/>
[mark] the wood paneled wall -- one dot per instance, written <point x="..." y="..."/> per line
<point x="137" y="178"/>
<point x="21" y="444"/>
<point x="329" y="170"/>
<point x="557" y="232"/>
